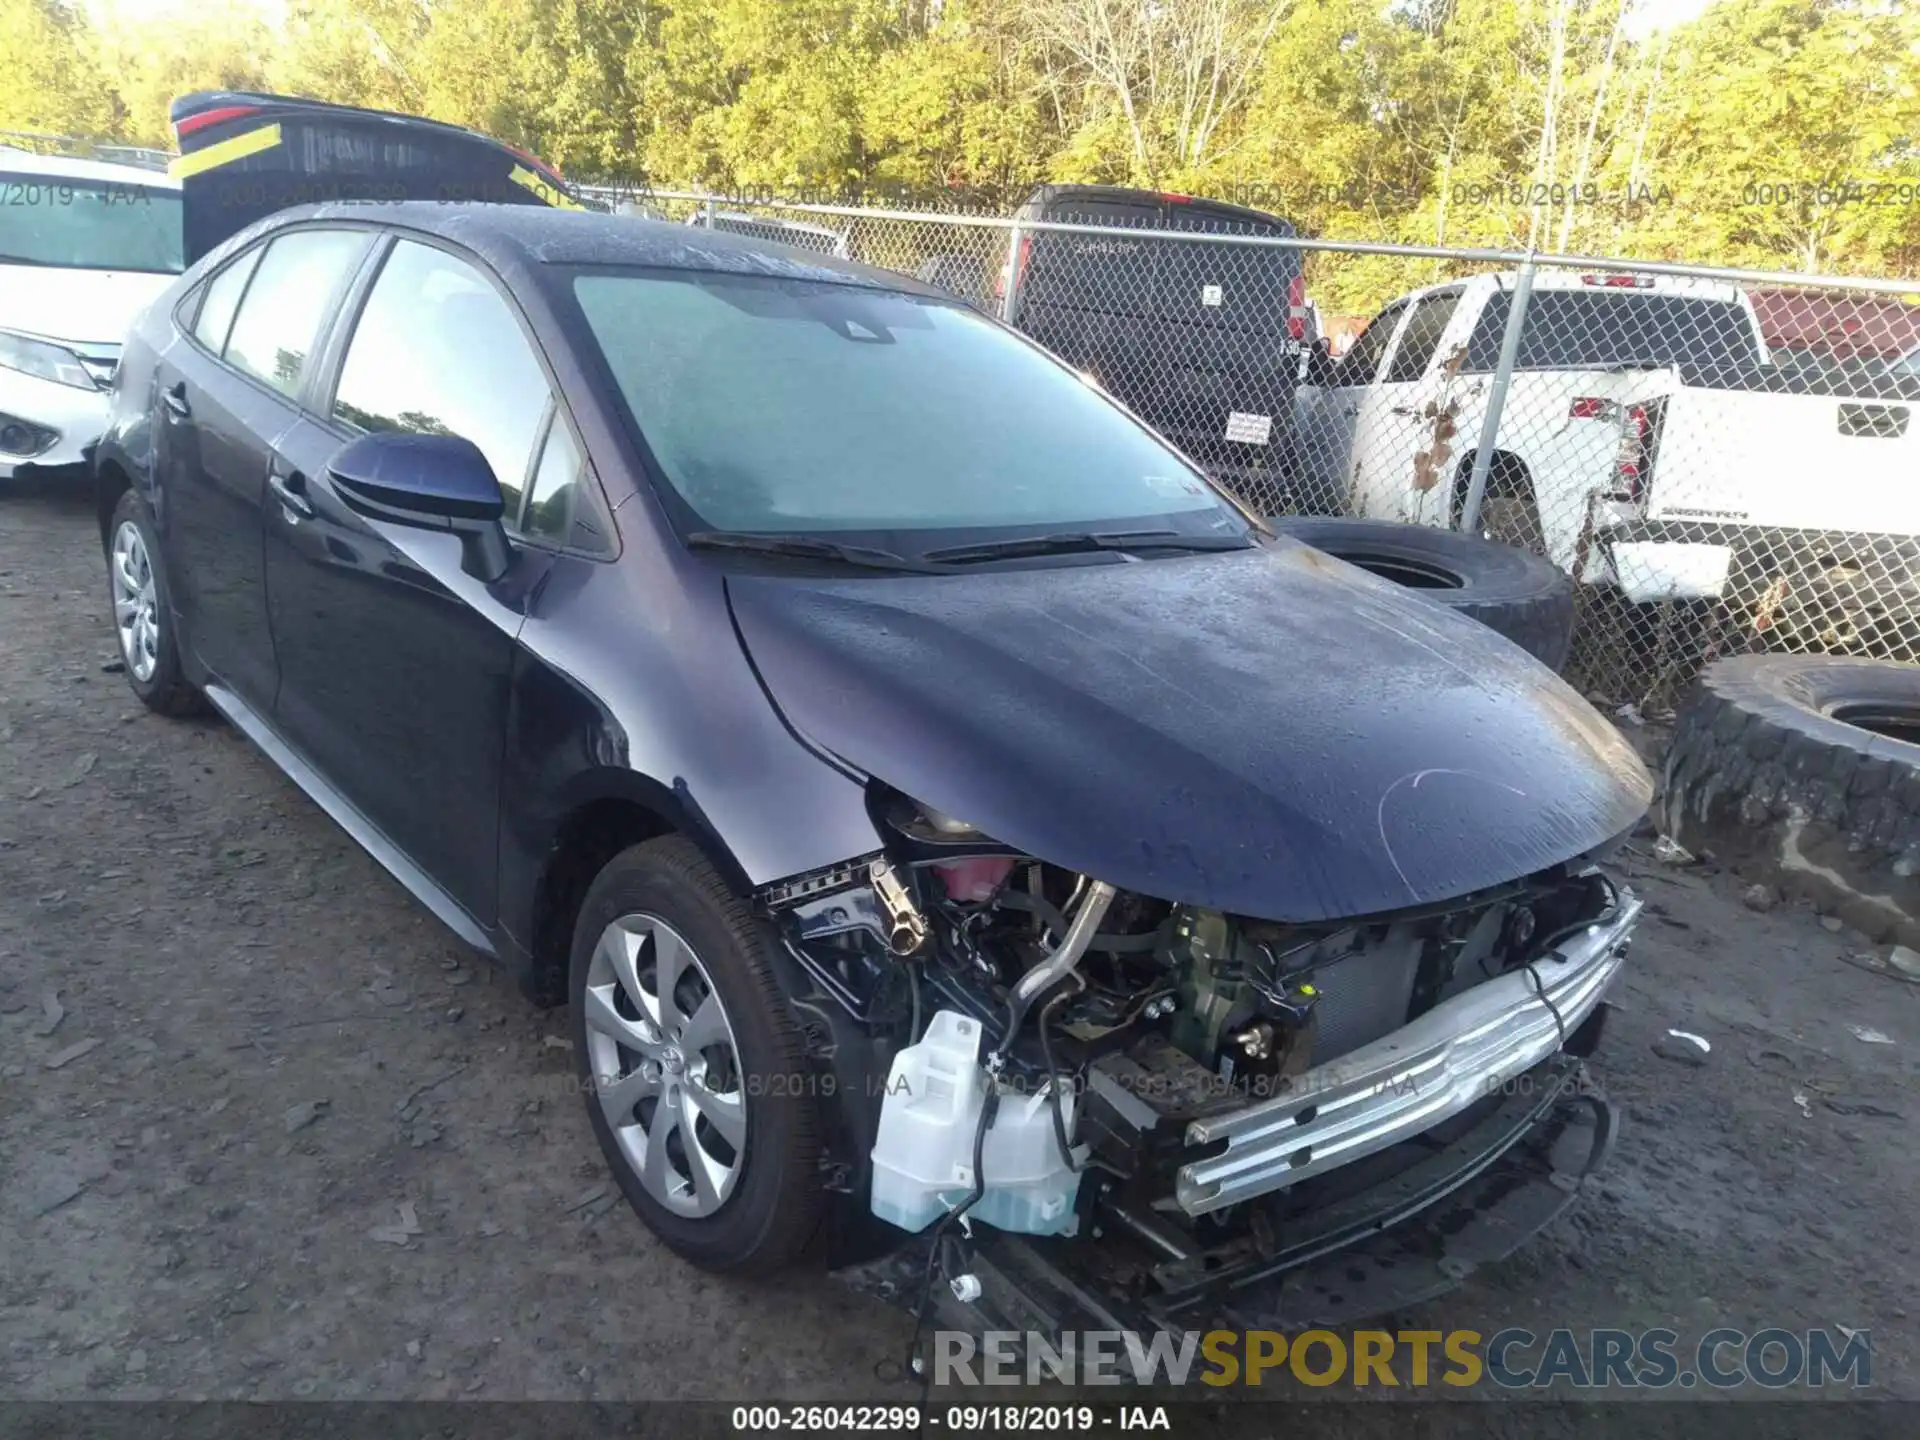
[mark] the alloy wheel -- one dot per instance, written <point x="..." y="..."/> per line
<point x="665" y="1066"/>
<point x="136" y="602"/>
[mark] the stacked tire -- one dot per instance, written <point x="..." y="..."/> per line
<point x="1519" y="594"/>
<point x="1804" y="771"/>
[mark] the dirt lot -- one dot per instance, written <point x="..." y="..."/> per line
<point x="278" y="1136"/>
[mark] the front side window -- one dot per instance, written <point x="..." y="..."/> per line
<point x="1422" y="337"/>
<point x="437" y="351"/>
<point x="561" y="504"/>
<point x="776" y="404"/>
<point x="291" y="292"/>
<point x="89" y="224"/>
<point x="1358" y="365"/>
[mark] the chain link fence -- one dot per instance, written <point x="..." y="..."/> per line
<point x="1723" y="461"/>
<point x="73" y="147"/>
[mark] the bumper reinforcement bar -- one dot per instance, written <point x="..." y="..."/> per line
<point x="1406" y="1082"/>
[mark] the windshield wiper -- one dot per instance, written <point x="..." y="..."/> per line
<point x="806" y="547"/>
<point x="1082" y="542"/>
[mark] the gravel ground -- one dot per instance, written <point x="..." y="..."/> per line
<point x="266" y="1131"/>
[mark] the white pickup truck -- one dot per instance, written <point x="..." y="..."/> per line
<point x="1647" y="440"/>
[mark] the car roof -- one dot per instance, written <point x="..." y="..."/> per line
<point x="1063" y="196"/>
<point x="65" y="167"/>
<point x="530" y="236"/>
<point x="1700" y="288"/>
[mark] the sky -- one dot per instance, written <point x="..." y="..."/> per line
<point x="103" y="11"/>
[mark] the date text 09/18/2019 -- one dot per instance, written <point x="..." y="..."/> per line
<point x="960" y="1419"/>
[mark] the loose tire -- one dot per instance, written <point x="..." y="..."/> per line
<point x="691" y="1064"/>
<point x="143" y="611"/>
<point x="1805" y="770"/>
<point x="1518" y="594"/>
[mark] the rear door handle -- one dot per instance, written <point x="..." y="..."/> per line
<point x="291" y="488"/>
<point x="175" y="399"/>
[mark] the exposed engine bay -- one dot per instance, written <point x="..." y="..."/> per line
<point x="1039" y="1030"/>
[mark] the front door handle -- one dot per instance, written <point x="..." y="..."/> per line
<point x="175" y="399"/>
<point x="291" y="488"/>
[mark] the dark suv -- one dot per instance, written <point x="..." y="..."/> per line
<point x="918" y="814"/>
<point x="1202" y="340"/>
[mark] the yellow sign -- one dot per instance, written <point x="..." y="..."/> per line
<point x="552" y="195"/>
<point x="225" y="153"/>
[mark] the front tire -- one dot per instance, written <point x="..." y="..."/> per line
<point x="143" y="612"/>
<point x="691" y="1064"/>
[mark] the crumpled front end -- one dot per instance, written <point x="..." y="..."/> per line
<point x="1209" y="893"/>
<point x="1227" y="1096"/>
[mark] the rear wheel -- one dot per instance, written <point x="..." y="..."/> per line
<point x="1509" y="510"/>
<point x="1511" y="518"/>
<point x="142" y="612"/>
<point x="693" y="1069"/>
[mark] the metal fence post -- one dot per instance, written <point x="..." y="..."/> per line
<point x="706" y="214"/>
<point x="1497" y="396"/>
<point x="1015" y="233"/>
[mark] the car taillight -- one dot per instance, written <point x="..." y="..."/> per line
<point x="1633" y="466"/>
<point x="1619" y="282"/>
<point x="1590" y="407"/>
<point x="1297" y="308"/>
<point x="216" y="116"/>
<point x="1016" y="265"/>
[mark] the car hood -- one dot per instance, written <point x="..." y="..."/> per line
<point x="1271" y="732"/>
<point x="83" y="307"/>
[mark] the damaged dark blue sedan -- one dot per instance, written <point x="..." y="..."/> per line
<point x="976" y="853"/>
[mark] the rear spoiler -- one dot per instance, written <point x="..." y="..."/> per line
<point x="245" y="155"/>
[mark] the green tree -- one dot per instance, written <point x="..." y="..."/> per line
<point x="53" y="75"/>
<point x="150" y="62"/>
<point x="358" y="52"/>
<point x="1789" y="122"/>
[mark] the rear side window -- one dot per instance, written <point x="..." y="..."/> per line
<point x="437" y="351"/>
<point x="1429" y="323"/>
<point x="291" y="293"/>
<point x="221" y="299"/>
<point x="1592" y="328"/>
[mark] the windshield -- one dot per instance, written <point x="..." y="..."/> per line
<point x="785" y="405"/>
<point x="89" y="224"/>
<point x="1593" y="329"/>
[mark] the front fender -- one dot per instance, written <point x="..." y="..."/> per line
<point x="630" y="687"/>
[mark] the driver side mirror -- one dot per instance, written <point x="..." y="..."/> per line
<point x="1319" y="368"/>
<point x="430" y="482"/>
